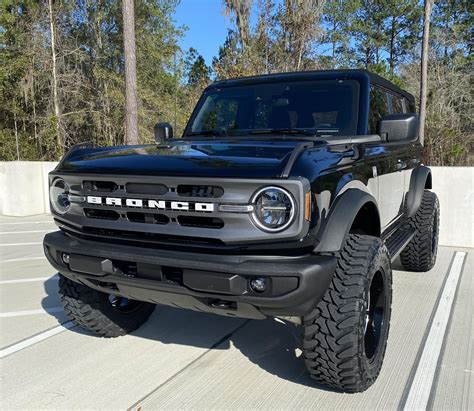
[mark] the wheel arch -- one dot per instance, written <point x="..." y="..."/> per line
<point x="353" y="210"/>
<point x="420" y="180"/>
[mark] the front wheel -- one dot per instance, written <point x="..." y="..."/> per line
<point x="345" y="336"/>
<point x="103" y="314"/>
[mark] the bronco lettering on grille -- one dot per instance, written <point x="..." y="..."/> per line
<point x="152" y="204"/>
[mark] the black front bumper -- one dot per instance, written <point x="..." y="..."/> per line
<point x="201" y="282"/>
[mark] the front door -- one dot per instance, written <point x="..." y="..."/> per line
<point x="390" y="168"/>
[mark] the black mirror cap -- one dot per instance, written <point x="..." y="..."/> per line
<point x="163" y="131"/>
<point x="399" y="127"/>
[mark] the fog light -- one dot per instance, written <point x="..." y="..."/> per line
<point x="65" y="258"/>
<point x="259" y="285"/>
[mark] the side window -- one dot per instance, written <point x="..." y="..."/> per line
<point x="378" y="107"/>
<point x="398" y="106"/>
<point x="410" y="106"/>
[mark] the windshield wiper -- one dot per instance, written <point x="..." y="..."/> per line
<point x="283" y="131"/>
<point x="214" y="133"/>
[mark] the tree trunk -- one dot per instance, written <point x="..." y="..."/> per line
<point x="35" y="127"/>
<point x="16" y="138"/>
<point x="334" y="30"/>
<point x="131" y="105"/>
<point x="57" y="112"/>
<point x="392" y="48"/>
<point x="424" y="68"/>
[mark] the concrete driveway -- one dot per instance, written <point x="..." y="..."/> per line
<point x="183" y="359"/>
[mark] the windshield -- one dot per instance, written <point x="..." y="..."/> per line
<point x="328" y="107"/>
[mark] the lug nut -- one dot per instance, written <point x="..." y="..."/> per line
<point x="65" y="258"/>
<point x="259" y="285"/>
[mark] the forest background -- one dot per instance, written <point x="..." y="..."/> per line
<point x="62" y="64"/>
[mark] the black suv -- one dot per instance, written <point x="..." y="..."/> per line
<point x="288" y="195"/>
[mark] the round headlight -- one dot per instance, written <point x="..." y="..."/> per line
<point x="274" y="209"/>
<point x="59" y="196"/>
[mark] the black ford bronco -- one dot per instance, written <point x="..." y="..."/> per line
<point x="288" y="195"/>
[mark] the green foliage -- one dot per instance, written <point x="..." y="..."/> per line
<point x="382" y="36"/>
<point x="90" y="73"/>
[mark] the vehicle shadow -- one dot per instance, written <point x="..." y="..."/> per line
<point x="51" y="303"/>
<point x="272" y="345"/>
<point x="397" y="265"/>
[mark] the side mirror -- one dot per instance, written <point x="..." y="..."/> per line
<point x="163" y="131"/>
<point x="399" y="127"/>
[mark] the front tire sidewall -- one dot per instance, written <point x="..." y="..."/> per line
<point x="334" y="332"/>
<point x="91" y="310"/>
<point x="370" y="367"/>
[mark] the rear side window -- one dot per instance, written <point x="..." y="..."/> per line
<point x="379" y="107"/>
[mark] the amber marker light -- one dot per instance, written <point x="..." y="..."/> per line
<point x="307" y="206"/>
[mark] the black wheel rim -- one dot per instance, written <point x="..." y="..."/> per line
<point x="375" y="315"/>
<point x="122" y="304"/>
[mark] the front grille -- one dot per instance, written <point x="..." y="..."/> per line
<point x="182" y="211"/>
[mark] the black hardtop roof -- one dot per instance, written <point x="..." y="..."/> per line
<point x="308" y="75"/>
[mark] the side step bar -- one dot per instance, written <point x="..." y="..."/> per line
<point x="398" y="241"/>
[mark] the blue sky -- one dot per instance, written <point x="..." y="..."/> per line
<point x="207" y="26"/>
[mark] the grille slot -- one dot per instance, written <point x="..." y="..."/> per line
<point x="101" y="214"/>
<point x="187" y="190"/>
<point x="200" y="222"/>
<point x="147" y="218"/>
<point x="102" y="186"/>
<point x="139" y="236"/>
<point x="143" y="188"/>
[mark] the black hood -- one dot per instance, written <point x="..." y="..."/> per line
<point x="223" y="158"/>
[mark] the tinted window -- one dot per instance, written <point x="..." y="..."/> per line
<point x="398" y="105"/>
<point x="322" y="107"/>
<point x="378" y="107"/>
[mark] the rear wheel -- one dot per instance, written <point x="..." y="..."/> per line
<point x="420" y="253"/>
<point x="104" y="314"/>
<point x="345" y="336"/>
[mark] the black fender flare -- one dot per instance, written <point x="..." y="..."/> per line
<point x="335" y="228"/>
<point x="420" y="179"/>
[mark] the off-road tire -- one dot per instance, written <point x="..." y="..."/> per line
<point x="91" y="310"/>
<point x="334" y="332"/>
<point x="420" y="253"/>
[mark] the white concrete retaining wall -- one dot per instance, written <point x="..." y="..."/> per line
<point x="455" y="189"/>
<point x="24" y="188"/>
